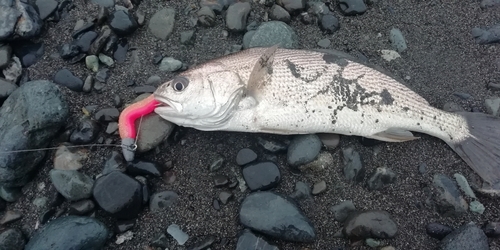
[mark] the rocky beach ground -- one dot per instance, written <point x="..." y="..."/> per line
<point x="68" y="68"/>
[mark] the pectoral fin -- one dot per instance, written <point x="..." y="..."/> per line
<point x="393" y="135"/>
<point x="261" y="72"/>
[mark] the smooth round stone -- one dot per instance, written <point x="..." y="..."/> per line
<point x="161" y="24"/>
<point x="139" y="167"/>
<point x="119" y="194"/>
<point x="397" y="39"/>
<point x="46" y="7"/>
<point x="261" y="175"/>
<point x="107" y="115"/>
<point x="153" y="80"/>
<point x="152" y="130"/>
<point x="237" y="15"/>
<point x="319" y="188"/>
<point x="329" y="23"/>
<point x="302" y="191"/>
<point x="303" y="149"/>
<point x="85" y="133"/>
<point x="85" y="40"/>
<point x="245" y="156"/>
<point x="279" y="14"/>
<point x="70" y="232"/>
<point x="370" y="224"/>
<point x="122" y="23"/>
<point x="466" y="237"/>
<point x="170" y="64"/>
<point x="92" y="63"/>
<point x="248" y="240"/>
<point x="161" y="201"/>
<point x="68" y="51"/>
<point x="272" y="33"/>
<point x="12" y="239"/>
<point x="342" y="210"/>
<point x="276" y="216"/>
<point x="72" y="184"/>
<point x="438" y="231"/>
<point x="64" y="77"/>
<point x="120" y="51"/>
<point x="352" y="7"/>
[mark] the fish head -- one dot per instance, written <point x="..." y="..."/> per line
<point x="202" y="96"/>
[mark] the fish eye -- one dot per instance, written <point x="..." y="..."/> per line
<point x="180" y="83"/>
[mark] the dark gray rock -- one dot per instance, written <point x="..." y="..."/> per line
<point x="161" y="201"/>
<point x="6" y="89"/>
<point x="237" y="15"/>
<point x="85" y="40"/>
<point x="249" y="241"/>
<point x="449" y="201"/>
<point x="278" y="13"/>
<point x="342" y="210"/>
<point x="40" y="112"/>
<point x="46" y="7"/>
<point x="491" y="229"/>
<point x="487" y="35"/>
<point x="292" y="6"/>
<point x="245" y="156"/>
<point x="352" y="7"/>
<point x="438" y="231"/>
<point x="8" y="21"/>
<point x="104" y="3"/>
<point x="30" y="24"/>
<point x="302" y="191"/>
<point x="12" y="239"/>
<point x="206" y="17"/>
<point x="85" y="132"/>
<point x="369" y="224"/>
<point x="303" y="149"/>
<point x="65" y="78"/>
<point x="466" y="237"/>
<point x="277" y="216"/>
<point x="381" y="178"/>
<point x="122" y="23"/>
<point x="353" y="165"/>
<point x="261" y="175"/>
<point x="72" y="184"/>
<point x="5" y="55"/>
<point x="70" y="232"/>
<point x="28" y="52"/>
<point x="329" y="23"/>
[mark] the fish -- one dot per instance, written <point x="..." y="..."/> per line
<point x="297" y="91"/>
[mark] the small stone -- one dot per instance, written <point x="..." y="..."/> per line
<point x="12" y="239"/>
<point x="108" y="61"/>
<point x="224" y="197"/>
<point x="319" y="188"/>
<point x="124" y="225"/>
<point x="302" y="191"/>
<point x="329" y="23"/>
<point x="92" y="63"/>
<point x="324" y="43"/>
<point x="353" y="166"/>
<point x="303" y="149"/>
<point x="176" y="232"/>
<point x="170" y="64"/>
<point x="464" y="185"/>
<point x="67" y="158"/>
<point x="248" y="240"/>
<point x="153" y="80"/>
<point x="322" y="162"/>
<point x="206" y="17"/>
<point x="438" y="231"/>
<point x="120" y="239"/>
<point x="72" y="184"/>
<point x="10" y="216"/>
<point x="86" y="132"/>
<point x="107" y="115"/>
<point x="272" y="33"/>
<point x="486" y="35"/>
<point x="468" y="236"/>
<point x="161" y="201"/>
<point x="272" y="146"/>
<point x="381" y="178"/>
<point x="5" y="55"/>
<point x="85" y="41"/>
<point x="160" y="241"/>
<point x="493" y="106"/>
<point x="112" y="128"/>
<point x="292" y="6"/>
<point x="122" y="23"/>
<point x="220" y="180"/>
<point x="65" y="78"/>
<point x="162" y="23"/>
<point x="261" y="176"/>
<point x="389" y="55"/>
<point x="81" y="207"/>
<point x="476" y="207"/>
<point x="492" y="229"/>
<point x="245" y="156"/>
<point x="68" y="51"/>
<point x="342" y="210"/>
<point x="145" y="168"/>
<point x="205" y="243"/>
<point x="46" y="7"/>
<point x="448" y="199"/>
<point x="279" y="14"/>
<point x="352" y="7"/>
<point x="237" y="15"/>
<point x="88" y="84"/>
<point x="187" y="37"/>
<point x="369" y="224"/>
<point x="397" y="39"/>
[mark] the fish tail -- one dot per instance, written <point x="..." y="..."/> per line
<point x="480" y="148"/>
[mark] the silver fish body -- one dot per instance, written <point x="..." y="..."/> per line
<point x="285" y="91"/>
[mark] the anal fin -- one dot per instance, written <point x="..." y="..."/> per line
<point x="394" y="135"/>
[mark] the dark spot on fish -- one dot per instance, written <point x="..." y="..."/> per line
<point x="386" y="97"/>
<point x="376" y="121"/>
<point x="421" y="118"/>
<point x="334" y="121"/>
<point x="329" y="107"/>
<point x="335" y="59"/>
<point x="363" y="115"/>
<point x="406" y="108"/>
<point x="418" y="123"/>
<point x="293" y="68"/>
<point x="435" y="117"/>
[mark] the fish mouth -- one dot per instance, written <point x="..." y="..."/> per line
<point x="167" y="106"/>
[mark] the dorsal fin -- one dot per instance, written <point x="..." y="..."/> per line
<point x="261" y="72"/>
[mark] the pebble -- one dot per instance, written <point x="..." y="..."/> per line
<point x="12" y="239"/>
<point x="381" y="178"/>
<point x="122" y="23"/>
<point x="5" y="55"/>
<point x="46" y="118"/>
<point x="319" y="188"/>
<point x="272" y="33"/>
<point x="153" y="80"/>
<point x="476" y="207"/>
<point x="108" y="61"/>
<point x="107" y="115"/>
<point x="491" y="229"/>
<point x="46" y="7"/>
<point x="104" y="3"/>
<point x="10" y="16"/>
<point x="72" y="184"/>
<point x="161" y="201"/>
<point x="389" y="55"/>
<point x="278" y="13"/>
<point x="160" y="241"/>
<point x="486" y="35"/>
<point x="81" y="207"/>
<point x="102" y="75"/>
<point x="448" y="199"/>
<point x="145" y="168"/>
<point x="370" y="224"/>
<point x="220" y="180"/>
<point x="170" y="64"/>
<point x="272" y="146"/>
<point x="452" y="107"/>
<point x="489" y="3"/>
<point x="88" y="84"/>
<point x="100" y="42"/>
<point x="86" y="132"/>
<point x="65" y="78"/>
<point x="85" y="40"/>
<point x="276" y="216"/>
<point x="352" y="7"/>
<point x="217" y="6"/>
<point x="180" y="236"/>
<point x="437" y="230"/>
<point x="111" y="128"/>
<point x="205" y="243"/>
<point x="248" y="240"/>
<point x="188" y="37"/>
<point x="303" y="149"/>
<point x="224" y="197"/>
<point x="466" y="237"/>
<point x="324" y="43"/>
<point x="92" y="63"/>
<point x="237" y="15"/>
<point x="342" y="210"/>
<point x="70" y="158"/>
<point x="10" y="194"/>
<point x="30" y="24"/>
<point x="261" y="176"/>
<point x="6" y="88"/>
<point x="302" y="191"/>
<point x="353" y="166"/>
<point x="70" y="232"/>
<point x="464" y="185"/>
<point x="10" y="216"/>
<point x="329" y="23"/>
<point x="162" y="23"/>
<point x="492" y="106"/>
<point x="292" y="6"/>
<point x="144" y="89"/>
<point x="245" y="156"/>
<point x="28" y="53"/>
<point x="206" y="17"/>
<point x="13" y="71"/>
<point x="120" y="239"/>
<point x="120" y="51"/>
<point x="124" y="225"/>
<point x="119" y="195"/>
<point x="397" y="40"/>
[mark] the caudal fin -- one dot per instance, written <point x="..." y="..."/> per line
<point x="481" y="148"/>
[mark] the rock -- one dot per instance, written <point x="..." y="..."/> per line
<point x="10" y="15"/>
<point x="468" y="236"/>
<point x="397" y="39"/>
<point x="152" y="131"/>
<point x="438" y="231"/>
<point x="13" y="71"/>
<point x="292" y="6"/>
<point x="381" y="178"/>
<point x="303" y="149"/>
<point x="476" y="207"/>
<point x="10" y="216"/>
<point x="70" y="232"/>
<point x="30" y="24"/>
<point x="237" y="15"/>
<point x="389" y="55"/>
<point x="245" y="156"/>
<point x="170" y="64"/>
<point x="72" y="184"/>
<point x="486" y="35"/>
<point x="12" y="239"/>
<point x="143" y="168"/>
<point x="107" y="115"/>
<point x="122" y="23"/>
<point x="10" y="194"/>
<point x="352" y="7"/>
<point x="329" y="23"/>
<point x="92" y="63"/>
<point x="161" y="201"/>
<point x="278" y="13"/>
<point x="41" y="104"/>
<point x="275" y="147"/>
<point x="273" y="33"/>
<point x="302" y="191"/>
<point x="100" y="42"/>
<point x="6" y="89"/>
<point x="118" y="194"/>
<point x="65" y="78"/>
<point x="86" y="132"/>
<point x="114" y="161"/>
<point x="67" y="158"/>
<point x="206" y="17"/>
<point x="324" y="43"/>
<point x="160" y="241"/>
<point x="448" y="199"/>
<point x="153" y="80"/>
<point x="162" y="23"/>
<point x="176" y="232"/>
<point x="46" y="7"/>
<point x="68" y="51"/>
<point x="5" y="55"/>
<point x="81" y="207"/>
<point x="276" y="216"/>
<point x="28" y="52"/>
<point x="224" y="197"/>
<point x="369" y="224"/>
<point x="247" y="240"/>
<point x="322" y="162"/>
<point x="205" y="243"/>
<point x="353" y="166"/>
<point x="319" y="188"/>
<point x="120" y="51"/>
<point x="464" y="185"/>
<point x="492" y="229"/>
<point x="492" y="106"/>
<point x="261" y="176"/>
<point x="84" y="41"/>
<point x="104" y="3"/>
<point x="216" y="6"/>
<point x="452" y="107"/>
<point x="342" y="210"/>
<point x="489" y="3"/>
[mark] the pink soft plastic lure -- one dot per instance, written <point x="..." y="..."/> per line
<point x="126" y="124"/>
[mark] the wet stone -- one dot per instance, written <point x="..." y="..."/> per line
<point x="72" y="184"/>
<point x="102" y="75"/>
<point x="81" y="207"/>
<point x="85" y="40"/>
<point x="161" y="24"/>
<point x="86" y="132"/>
<point x="220" y="180"/>
<point x="6" y="88"/>
<point x="329" y="24"/>
<point x="292" y="6"/>
<point x="276" y="216"/>
<point x="12" y="239"/>
<point x="272" y="33"/>
<point x="205" y="243"/>
<point x="68" y="51"/>
<point x="319" y="188"/>
<point x="397" y="40"/>
<point x="278" y="13"/>
<point x="352" y="7"/>
<point x="170" y="64"/>
<point x="92" y="63"/>
<point x="124" y="225"/>
<point x="486" y="35"/>
<point x="245" y="156"/>
<point x="302" y="191"/>
<point x="70" y="232"/>
<point x="10" y="194"/>
<point x="46" y="7"/>
<point x="81" y="27"/>
<point x="464" y="185"/>
<point x="342" y="210"/>
<point x="468" y="236"/>
<point x="217" y="164"/>
<point x="9" y="15"/>
<point x="122" y="23"/>
<point x="449" y="201"/>
<point x="152" y="131"/>
<point x="118" y="194"/>
<point x="237" y="15"/>
<point x="353" y="167"/>
<point x="206" y="17"/>
<point x="111" y="128"/>
<point x="139" y="167"/>
<point x="180" y="236"/>
<point x="10" y="216"/>
<point x="303" y="149"/>
<point x="104" y="3"/>
<point x="217" y="6"/>
<point x="107" y="115"/>
<point x="437" y="231"/>
<point x="224" y="197"/>
<point x="381" y="178"/>
<point x="161" y="201"/>
<point x="324" y="43"/>
<point x="100" y="42"/>
<point x="108" y="61"/>
<point x="188" y="37"/>
<point x="369" y="224"/>
<point x="13" y="71"/>
<point x="248" y="240"/>
<point x="261" y="175"/>
<point x="5" y="55"/>
<point x="120" y="51"/>
<point x="65" y="78"/>
<point x="153" y="80"/>
<point x="491" y="229"/>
